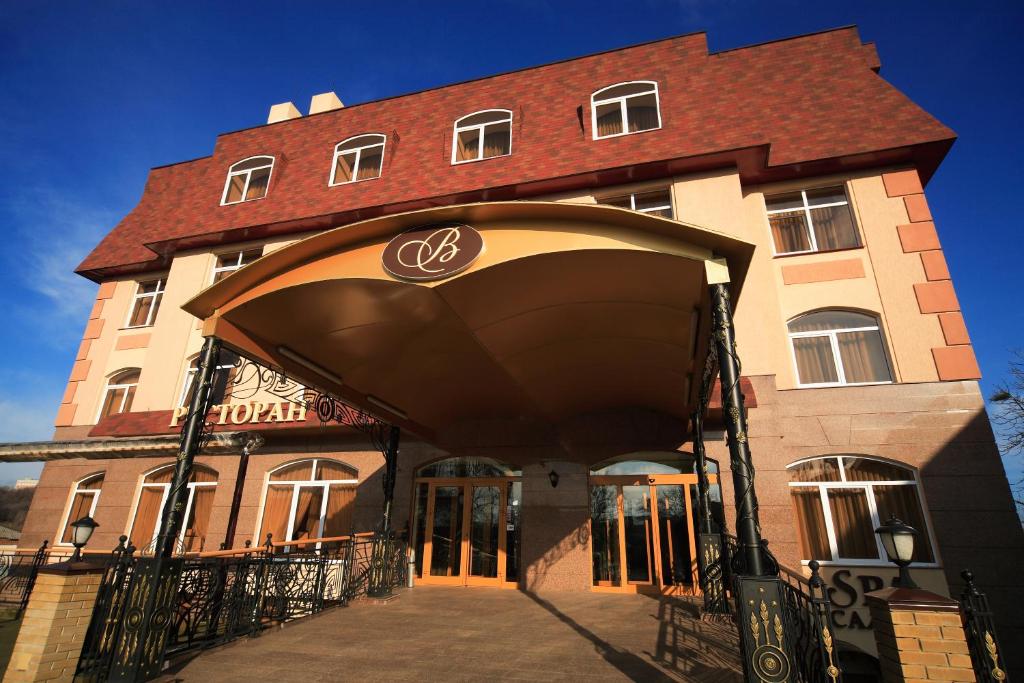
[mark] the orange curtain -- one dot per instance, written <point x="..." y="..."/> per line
<point x="343" y="172"/>
<point x="79" y="508"/>
<point x="855" y="536"/>
<point x="330" y="470"/>
<point x="789" y="230"/>
<point x="811" y="520"/>
<point x="833" y="228"/>
<point x="146" y="515"/>
<point x="276" y="508"/>
<point x="369" y="163"/>
<point x="307" y="513"/>
<point x="903" y="502"/>
<point x="199" y="518"/>
<point x="863" y="357"/>
<point x="467" y="144"/>
<point x="340" y="504"/>
<point x="609" y="119"/>
<point x="642" y="117"/>
<point x="496" y="141"/>
<point x="814" y="361"/>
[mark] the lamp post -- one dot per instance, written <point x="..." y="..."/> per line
<point x="898" y="540"/>
<point x="81" y="532"/>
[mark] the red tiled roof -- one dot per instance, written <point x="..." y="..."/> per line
<point x="795" y="107"/>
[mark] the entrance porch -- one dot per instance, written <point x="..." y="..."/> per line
<point x="432" y="633"/>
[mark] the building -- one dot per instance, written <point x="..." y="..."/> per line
<point x="26" y="484"/>
<point x="515" y="271"/>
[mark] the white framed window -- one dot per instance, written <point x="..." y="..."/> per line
<point x="119" y="393"/>
<point x="222" y="380"/>
<point x="146" y="303"/>
<point x="149" y="505"/>
<point x="358" y="158"/>
<point x="235" y="260"/>
<point x="625" y="108"/>
<point x="84" y="496"/>
<point x="247" y="180"/>
<point x="654" y="202"/>
<point x="806" y="221"/>
<point x="482" y="135"/>
<point x="840" y="500"/>
<point x="308" y="499"/>
<point x="834" y="348"/>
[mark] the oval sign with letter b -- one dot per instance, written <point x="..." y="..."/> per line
<point x="432" y="252"/>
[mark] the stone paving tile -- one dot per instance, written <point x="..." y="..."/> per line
<point x="474" y="634"/>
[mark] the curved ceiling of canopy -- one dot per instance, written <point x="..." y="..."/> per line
<point x="573" y="316"/>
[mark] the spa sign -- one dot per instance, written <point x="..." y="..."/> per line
<point x="432" y="252"/>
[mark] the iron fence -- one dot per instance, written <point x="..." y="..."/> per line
<point x="980" y="629"/>
<point x="809" y="611"/>
<point x="18" y="571"/>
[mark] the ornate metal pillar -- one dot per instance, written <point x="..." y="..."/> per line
<point x="150" y="599"/>
<point x="710" y="562"/>
<point x="383" y="560"/>
<point x="748" y="527"/>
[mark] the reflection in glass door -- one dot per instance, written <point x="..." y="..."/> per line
<point x="639" y="536"/>
<point x="484" y="529"/>
<point x="446" y="531"/>
<point x="674" y="538"/>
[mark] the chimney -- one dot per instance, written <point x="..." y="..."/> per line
<point x="326" y="101"/>
<point x="283" y="112"/>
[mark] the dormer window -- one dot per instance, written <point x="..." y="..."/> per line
<point x="247" y="180"/>
<point x="482" y="135"/>
<point x="625" y="108"/>
<point x="358" y="158"/>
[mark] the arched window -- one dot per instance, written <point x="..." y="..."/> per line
<point x="482" y="135"/>
<point x="309" y="499"/>
<point x="119" y="394"/>
<point x="153" y="496"/>
<point x="247" y="180"/>
<point x="455" y="468"/>
<point x="839" y="501"/>
<point x="222" y="379"/>
<point x="625" y="108"/>
<point x="832" y="348"/>
<point x="84" y="496"/>
<point x="358" y="158"/>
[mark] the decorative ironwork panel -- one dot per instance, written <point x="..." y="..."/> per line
<point x="767" y="651"/>
<point x="980" y="628"/>
<point x="810" y="614"/>
<point x="713" y="575"/>
<point x="18" y="571"/>
<point x="107" y="615"/>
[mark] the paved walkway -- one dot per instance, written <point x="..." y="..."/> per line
<point x="476" y="634"/>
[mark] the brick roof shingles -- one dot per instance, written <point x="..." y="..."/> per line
<point x="808" y="98"/>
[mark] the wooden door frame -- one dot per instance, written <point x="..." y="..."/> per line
<point x="656" y="585"/>
<point x="467" y="484"/>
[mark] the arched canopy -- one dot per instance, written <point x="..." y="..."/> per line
<point x="569" y="312"/>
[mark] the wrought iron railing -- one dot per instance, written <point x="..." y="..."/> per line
<point x="809" y="611"/>
<point x="980" y="629"/>
<point x="18" y="571"/>
<point x="225" y="595"/>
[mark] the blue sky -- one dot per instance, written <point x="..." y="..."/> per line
<point x="94" y="94"/>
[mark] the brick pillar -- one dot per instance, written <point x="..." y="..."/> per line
<point x="53" y="628"/>
<point x="920" y="636"/>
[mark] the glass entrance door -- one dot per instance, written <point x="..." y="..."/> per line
<point x="469" y="534"/>
<point x="643" y="533"/>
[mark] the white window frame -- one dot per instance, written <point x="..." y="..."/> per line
<point x="297" y="484"/>
<point x="166" y="486"/>
<point x="480" y="127"/>
<point x="248" y="176"/>
<point x="154" y="306"/>
<point x="237" y="265"/>
<point x="109" y="386"/>
<point x="806" y="208"/>
<point x="868" y="487"/>
<point x="632" y="201"/>
<point x="340" y="149"/>
<point x="71" y="501"/>
<point x="834" y="344"/>
<point x="623" y="109"/>
<point x="190" y="373"/>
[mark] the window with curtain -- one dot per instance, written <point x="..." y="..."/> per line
<point x="833" y="348"/>
<point x="625" y="108"/>
<point x="156" y="486"/>
<point x="119" y="393"/>
<point x="358" y="158"/>
<point x="839" y="501"/>
<point x="654" y="202"/>
<point x="146" y="303"/>
<point x="309" y="499"/>
<point x="811" y="220"/>
<point x="235" y="260"/>
<point x="482" y="135"/>
<point x="223" y="378"/>
<point x="84" y="496"/>
<point x="247" y="180"/>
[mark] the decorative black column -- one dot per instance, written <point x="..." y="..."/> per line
<point x="710" y="562"/>
<point x="149" y="603"/>
<point x="748" y="527"/>
<point x="383" y="559"/>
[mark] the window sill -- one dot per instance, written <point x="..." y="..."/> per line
<point x="136" y="328"/>
<point x="354" y="182"/>
<point x="244" y="201"/>
<point x="842" y="386"/>
<point x="474" y="161"/>
<point x="792" y="254"/>
<point x="622" y="135"/>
